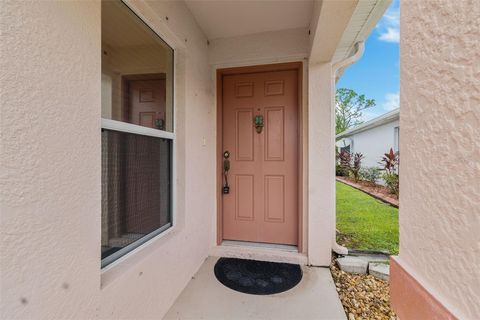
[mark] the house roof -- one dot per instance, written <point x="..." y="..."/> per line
<point x="375" y="122"/>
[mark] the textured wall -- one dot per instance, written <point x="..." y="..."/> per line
<point x="321" y="159"/>
<point x="440" y="143"/>
<point x="50" y="167"/>
<point x="50" y="159"/>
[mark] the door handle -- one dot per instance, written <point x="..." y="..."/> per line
<point x="226" y="168"/>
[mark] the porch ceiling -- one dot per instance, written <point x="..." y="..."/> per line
<point x="223" y="19"/>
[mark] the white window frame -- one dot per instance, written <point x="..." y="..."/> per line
<point x="120" y="126"/>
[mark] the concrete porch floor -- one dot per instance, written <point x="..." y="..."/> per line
<point x="315" y="297"/>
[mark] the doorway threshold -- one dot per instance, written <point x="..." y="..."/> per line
<point x="282" y="247"/>
<point x="259" y="251"/>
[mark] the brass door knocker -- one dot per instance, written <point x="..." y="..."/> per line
<point x="258" y="123"/>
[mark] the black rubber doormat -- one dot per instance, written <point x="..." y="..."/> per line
<point x="257" y="277"/>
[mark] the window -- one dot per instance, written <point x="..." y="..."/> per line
<point x="137" y="132"/>
<point x="345" y="149"/>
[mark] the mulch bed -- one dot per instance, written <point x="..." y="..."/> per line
<point x="379" y="192"/>
<point x="363" y="296"/>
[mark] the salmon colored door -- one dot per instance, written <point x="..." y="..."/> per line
<point x="262" y="203"/>
<point x="147" y="103"/>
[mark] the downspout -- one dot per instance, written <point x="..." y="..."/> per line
<point x="360" y="46"/>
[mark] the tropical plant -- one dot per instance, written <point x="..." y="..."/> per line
<point x="390" y="161"/>
<point x="344" y="159"/>
<point x="370" y="174"/>
<point x="356" y="165"/>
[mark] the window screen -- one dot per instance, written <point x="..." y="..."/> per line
<point x="137" y="132"/>
<point x="136" y="188"/>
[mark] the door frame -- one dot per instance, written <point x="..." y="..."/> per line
<point x="297" y="66"/>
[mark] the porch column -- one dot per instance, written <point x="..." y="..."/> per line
<point x="321" y="164"/>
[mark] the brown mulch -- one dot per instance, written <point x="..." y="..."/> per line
<point x="375" y="190"/>
<point x="363" y="296"/>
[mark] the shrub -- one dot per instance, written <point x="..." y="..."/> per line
<point x="390" y="161"/>
<point x="392" y="181"/>
<point x="340" y="171"/>
<point x="370" y="174"/>
<point x="355" y="167"/>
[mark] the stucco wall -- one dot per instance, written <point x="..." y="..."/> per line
<point x="50" y="158"/>
<point x="439" y="139"/>
<point x="374" y="142"/>
<point x="321" y="159"/>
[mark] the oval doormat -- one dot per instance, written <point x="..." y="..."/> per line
<point x="257" y="277"/>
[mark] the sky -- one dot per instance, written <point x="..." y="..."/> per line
<point x="377" y="73"/>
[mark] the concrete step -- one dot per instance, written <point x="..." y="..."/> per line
<point x="353" y="264"/>
<point x="379" y="270"/>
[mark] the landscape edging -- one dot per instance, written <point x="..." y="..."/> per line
<point x="358" y="187"/>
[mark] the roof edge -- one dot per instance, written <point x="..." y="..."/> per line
<point x="375" y="122"/>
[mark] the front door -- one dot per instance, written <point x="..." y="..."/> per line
<point x="260" y="132"/>
<point x="147" y="103"/>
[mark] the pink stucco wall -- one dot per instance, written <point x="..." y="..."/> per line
<point x="50" y="159"/>
<point x="440" y="143"/>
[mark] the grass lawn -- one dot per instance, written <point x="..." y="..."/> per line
<point x="365" y="222"/>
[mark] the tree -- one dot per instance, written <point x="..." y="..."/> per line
<point x="349" y="106"/>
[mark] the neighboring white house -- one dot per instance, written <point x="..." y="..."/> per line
<point x="372" y="138"/>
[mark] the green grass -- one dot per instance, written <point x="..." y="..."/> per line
<point x="365" y="222"/>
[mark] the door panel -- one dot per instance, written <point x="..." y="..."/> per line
<point x="147" y="119"/>
<point x="147" y="103"/>
<point x="274" y="133"/>
<point x="244" y="135"/>
<point x="262" y="205"/>
<point x="244" y="209"/>
<point x="275" y="198"/>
